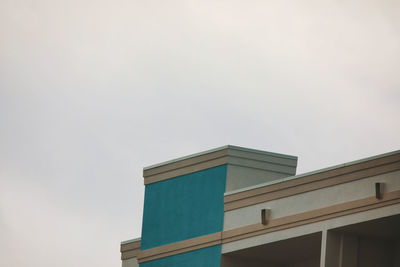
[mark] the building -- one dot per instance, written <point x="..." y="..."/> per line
<point x="234" y="206"/>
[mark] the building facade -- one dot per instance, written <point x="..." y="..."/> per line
<point x="236" y="207"/>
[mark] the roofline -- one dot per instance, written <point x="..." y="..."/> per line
<point x="232" y="147"/>
<point x="311" y="172"/>
<point x="131" y="240"/>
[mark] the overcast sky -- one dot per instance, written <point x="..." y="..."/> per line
<point x="93" y="91"/>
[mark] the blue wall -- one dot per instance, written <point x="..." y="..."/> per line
<point x="206" y="257"/>
<point x="184" y="207"/>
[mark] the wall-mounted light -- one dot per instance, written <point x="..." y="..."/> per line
<point x="265" y="213"/>
<point x="378" y="188"/>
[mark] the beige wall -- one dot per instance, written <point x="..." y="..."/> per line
<point x="130" y="263"/>
<point x="312" y="200"/>
<point x="311" y="228"/>
<point x="240" y="177"/>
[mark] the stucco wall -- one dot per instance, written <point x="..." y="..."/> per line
<point x="241" y="177"/>
<point x="130" y="263"/>
<point x="312" y="200"/>
<point x="184" y="207"/>
<point x="311" y="228"/>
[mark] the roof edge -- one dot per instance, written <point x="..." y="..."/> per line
<point x="131" y="240"/>
<point x="312" y="172"/>
<point x="228" y="147"/>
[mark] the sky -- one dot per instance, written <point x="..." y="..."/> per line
<point x="93" y="91"/>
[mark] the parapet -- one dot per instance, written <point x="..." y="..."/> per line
<point x="245" y="167"/>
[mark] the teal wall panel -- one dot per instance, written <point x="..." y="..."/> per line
<point x="206" y="257"/>
<point x="183" y="207"/>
